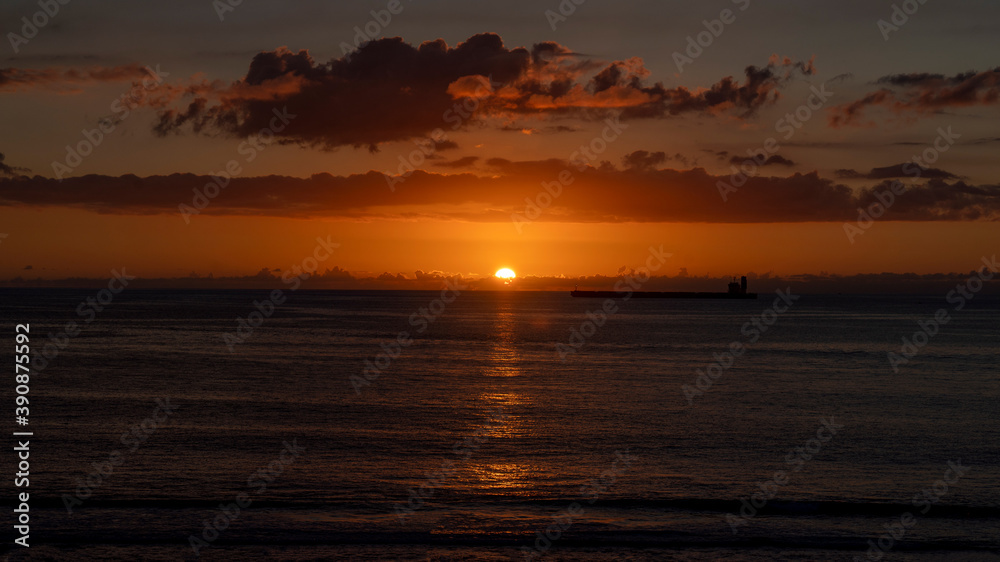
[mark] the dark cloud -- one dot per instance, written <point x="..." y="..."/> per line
<point x="602" y="194"/>
<point x="759" y="89"/>
<point x="925" y="79"/>
<point x="522" y="130"/>
<point x="906" y="170"/>
<point x="386" y="91"/>
<point x="848" y="174"/>
<point x="643" y="160"/>
<point x="774" y="160"/>
<point x="65" y="79"/>
<point x="7" y="170"/>
<point x="919" y="94"/>
<point x="683" y="160"/>
<point x="463" y="162"/>
<point x="779" y="160"/>
<point x="389" y="90"/>
<point x="61" y="59"/>
<point x="534" y="131"/>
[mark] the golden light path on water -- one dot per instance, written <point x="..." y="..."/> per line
<point x="500" y="403"/>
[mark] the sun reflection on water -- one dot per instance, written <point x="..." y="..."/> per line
<point x="503" y="358"/>
<point x="498" y="473"/>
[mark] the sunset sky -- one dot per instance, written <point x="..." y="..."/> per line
<point x="487" y="102"/>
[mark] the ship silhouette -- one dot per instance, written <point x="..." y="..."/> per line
<point x="737" y="290"/>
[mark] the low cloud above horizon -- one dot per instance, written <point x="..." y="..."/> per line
<point x="497" y="194"/>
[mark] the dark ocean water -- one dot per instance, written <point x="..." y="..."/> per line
<point x="484" y="438"/>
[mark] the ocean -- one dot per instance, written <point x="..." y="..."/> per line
<point x="507" y="426"/>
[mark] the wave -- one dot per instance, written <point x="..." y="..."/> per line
<point x="589" y="539"/>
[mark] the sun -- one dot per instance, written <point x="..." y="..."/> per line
<point x="506" y="274"/>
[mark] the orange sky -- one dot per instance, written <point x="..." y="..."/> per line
<point x="154" y="246"/>
<point x="497" y="114"/>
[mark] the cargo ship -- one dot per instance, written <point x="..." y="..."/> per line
<point x="737" y="290"/>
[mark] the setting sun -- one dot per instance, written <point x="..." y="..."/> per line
<point x="506" y="274"/>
